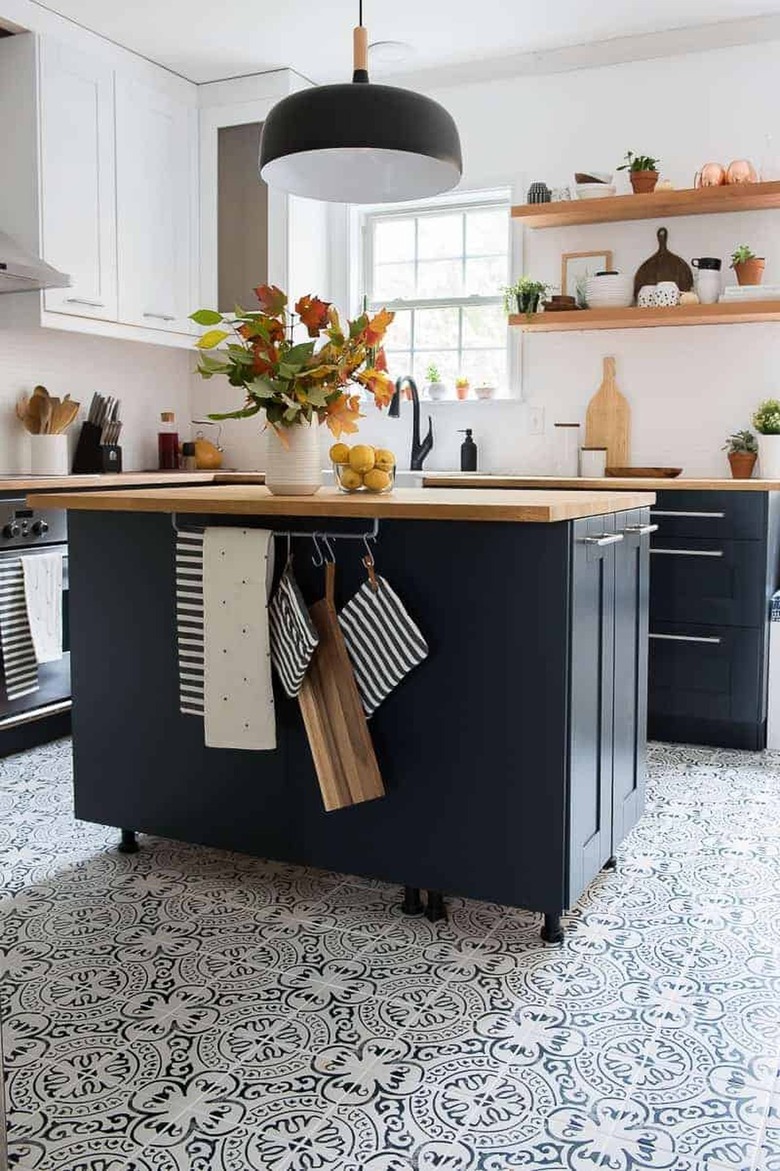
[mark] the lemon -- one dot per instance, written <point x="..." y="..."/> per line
<point x="384" y="459"/>
<point x="350" y="479"/>
<point x="339" y="453"/>
<point x="361" y="458"/>
<point x="377" y="480"/>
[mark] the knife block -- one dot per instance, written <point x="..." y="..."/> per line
<point x="93" y="456"/>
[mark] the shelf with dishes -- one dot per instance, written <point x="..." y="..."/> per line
<point x="653" y="205"/>
<point x="722" y="313"/>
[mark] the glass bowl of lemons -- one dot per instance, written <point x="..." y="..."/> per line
<point x="363" y="468"/>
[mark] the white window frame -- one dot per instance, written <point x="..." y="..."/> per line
<point x="473" y="200"/>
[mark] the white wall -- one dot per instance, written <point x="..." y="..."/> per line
<point x="149" y="379"/>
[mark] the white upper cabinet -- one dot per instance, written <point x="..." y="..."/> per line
<point x="156" y="175"/>
<point x="78" y="211"/>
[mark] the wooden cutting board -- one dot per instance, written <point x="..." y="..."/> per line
<point x="333" y="715"/>
<point x="608" y="419"/>
<point x="663" y="265"/>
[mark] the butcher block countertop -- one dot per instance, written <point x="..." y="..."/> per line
<point x="602" y="484"/>
<point x="110" y="479"/>
<point x="471" y="504"/>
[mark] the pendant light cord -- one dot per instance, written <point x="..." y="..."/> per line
<point x="360" y="11"/>
<point x="360" y="49"/>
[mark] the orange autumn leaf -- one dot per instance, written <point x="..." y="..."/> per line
<point x="380" y="360"/>
<point x="272" y="300"/>
<point x="343" y="414"/>
<point x="313" y="314"/>
<point x="378" y="384"/>
<point x="377" y="327"/>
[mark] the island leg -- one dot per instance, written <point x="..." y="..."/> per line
<point x="552" y="931"/>
<point x="610" y="864"/>
<point x="435" y="907"/>
<point x="128" y="843"/>
<point x="412" y="904"/>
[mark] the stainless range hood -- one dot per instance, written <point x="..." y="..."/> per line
<point x="20" y="271"/>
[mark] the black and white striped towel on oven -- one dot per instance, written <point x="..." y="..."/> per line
<point x="189" y="621"/>
<point x="20" y="665"/>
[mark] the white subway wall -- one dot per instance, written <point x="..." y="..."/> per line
<point x="148" y="379"/>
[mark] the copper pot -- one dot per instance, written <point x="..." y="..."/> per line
<point x="741" y="171"/>
<point x="711" y="175"/>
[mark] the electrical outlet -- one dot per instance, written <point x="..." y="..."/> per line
<point x="536" y="420"/>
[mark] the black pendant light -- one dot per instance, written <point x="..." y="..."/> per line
<point x="359" y="142"/>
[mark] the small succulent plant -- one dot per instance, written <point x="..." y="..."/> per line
<point x="741" y="442"/>
<point x="639" y="162"/>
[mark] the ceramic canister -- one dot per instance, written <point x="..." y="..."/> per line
<point x="667" y="294"/>
<point x="707" y="279"/>
<point x="645" y="298"/>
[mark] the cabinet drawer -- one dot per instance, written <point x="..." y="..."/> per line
<point x="707" y="581"/>
<point x="739" y="515"/>
<point x="705" y="672"/>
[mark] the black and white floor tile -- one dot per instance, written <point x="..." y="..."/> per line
<point x="185" y="1009"/>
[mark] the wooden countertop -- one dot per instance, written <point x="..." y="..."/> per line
<point x="602" y="484"/>
<point x="475" y="504"/>
<point x="110" y="479"/>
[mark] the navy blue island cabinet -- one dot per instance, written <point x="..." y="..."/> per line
<point x="513" y="758"/>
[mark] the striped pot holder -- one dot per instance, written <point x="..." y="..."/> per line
<point x="189" y="621"/>
<point x="294" y="637"/>
<point x="384" y="643"/>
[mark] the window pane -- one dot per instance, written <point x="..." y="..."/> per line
<point x="484" y="325"/>
<point x="399" y="363"/>
<point x="487" y="366"/>
<point x="446" y="364"/>
<point x="439" y="236"/>
<point x="393" y="280"/>
<point x="487" y="232"/>
<point x="485" y="278"/>
<point x="399" y="334"/>
<point x="393" y="240"/>
<point x="439" y="278"/>
<point x="436" y="329"/>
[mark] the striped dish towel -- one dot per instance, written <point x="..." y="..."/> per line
<point x="189" y="621"/>
<point x="383" y="642"/>
<point x="775" y="613"/>
<point x="19" y="662"/>
<point x="294" y="636"/>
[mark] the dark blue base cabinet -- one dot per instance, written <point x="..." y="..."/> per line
<point x="714" y="568"/>
<point x="513" y="758"/>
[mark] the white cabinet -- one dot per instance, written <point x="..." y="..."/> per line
<point x="156" y="148"/>
<point x="78" y="211"/>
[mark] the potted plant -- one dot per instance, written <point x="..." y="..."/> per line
<point x="766" y="421"/>
<point x="748" y="267"/>
<point x="642" y="171"/>
<point x="436" y="388"/>
<point x="462" y="388"/>
<point x="297" y="385"/>
<point x="742" y="451"/>
<point x="524" y="296"/>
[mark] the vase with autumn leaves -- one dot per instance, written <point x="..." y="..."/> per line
<point x="295" y="384"/>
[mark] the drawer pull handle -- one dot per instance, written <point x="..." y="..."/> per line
<point x="85" y="301"/>
<point x="161" y="316"/>
<point x="686" y="638"/>
<point x="689" y="552"/>
<point x="641" y="530"/>
<point x="664" y="512"/>
<point x="605" y="539"/>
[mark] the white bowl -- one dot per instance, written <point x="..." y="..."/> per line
<point x="594" y="190"/>
<point x="484" y="392"/>
<point x="612" y="291"/>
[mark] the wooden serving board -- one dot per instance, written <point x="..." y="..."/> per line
<point x="645" y="473"/>
<point x="333" y="715"/>
<point x="663" y="265"/>
<point x="608" y="419"/>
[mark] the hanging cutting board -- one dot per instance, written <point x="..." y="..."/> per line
<point x="663" y="265"/>
<point x="608" y="419"/>
<point x="333" y="715"/>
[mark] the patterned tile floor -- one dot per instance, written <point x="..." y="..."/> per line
<point x="190" y="1010"/>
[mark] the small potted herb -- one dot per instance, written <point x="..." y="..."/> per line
<point x="436" y="388"/>
<point x="462" y="388"/>
<point x="742" y="451"/>
<point x="524" y="296"/>
<point x="748" y="267"/>
<point x="642" y="171"/>
<point x="766" y="421"/>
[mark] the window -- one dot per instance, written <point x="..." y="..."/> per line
<point x="441" y="268"/>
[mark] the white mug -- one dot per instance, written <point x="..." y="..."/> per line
<point x="667" y="293"/>
<point x="707" y="286"/>
<point x="645" y="298"/>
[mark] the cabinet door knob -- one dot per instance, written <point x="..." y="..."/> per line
<point x="604" y="539"/>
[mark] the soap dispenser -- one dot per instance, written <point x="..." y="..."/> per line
<point x="468" y="452"/>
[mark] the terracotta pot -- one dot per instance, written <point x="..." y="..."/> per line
<point x="750" y="272"/>
<point x="742" y="464"/>
<point x="643" y="181"/>
<point x="462" y="392"/>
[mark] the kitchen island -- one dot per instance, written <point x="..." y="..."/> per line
<point x="513" y="757"/>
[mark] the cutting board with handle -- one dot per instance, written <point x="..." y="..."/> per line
<point x="608" y="419"/>
<point x="333" y="715"/>
<point x="663" y="265"/>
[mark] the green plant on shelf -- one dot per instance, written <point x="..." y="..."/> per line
<point x="639" y="162"/>
<point x="524" y="295"/>
<point x="432" y="373"/>
<point x="766" y="418"/>
<point x="741" y="442"/>
<point x="742" y="254"/>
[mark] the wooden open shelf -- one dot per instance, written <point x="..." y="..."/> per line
<point x="584" y="319"/>
<point x="658" y="204"/>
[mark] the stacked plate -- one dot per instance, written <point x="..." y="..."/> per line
<point x="593" y="184"/>
<point x="751" y="293"/>
<point x="609" y="290"/>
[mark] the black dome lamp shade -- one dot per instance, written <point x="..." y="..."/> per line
<point x="359" y="142"/>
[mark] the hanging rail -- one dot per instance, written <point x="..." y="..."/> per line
<point x="292" y="535"/>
